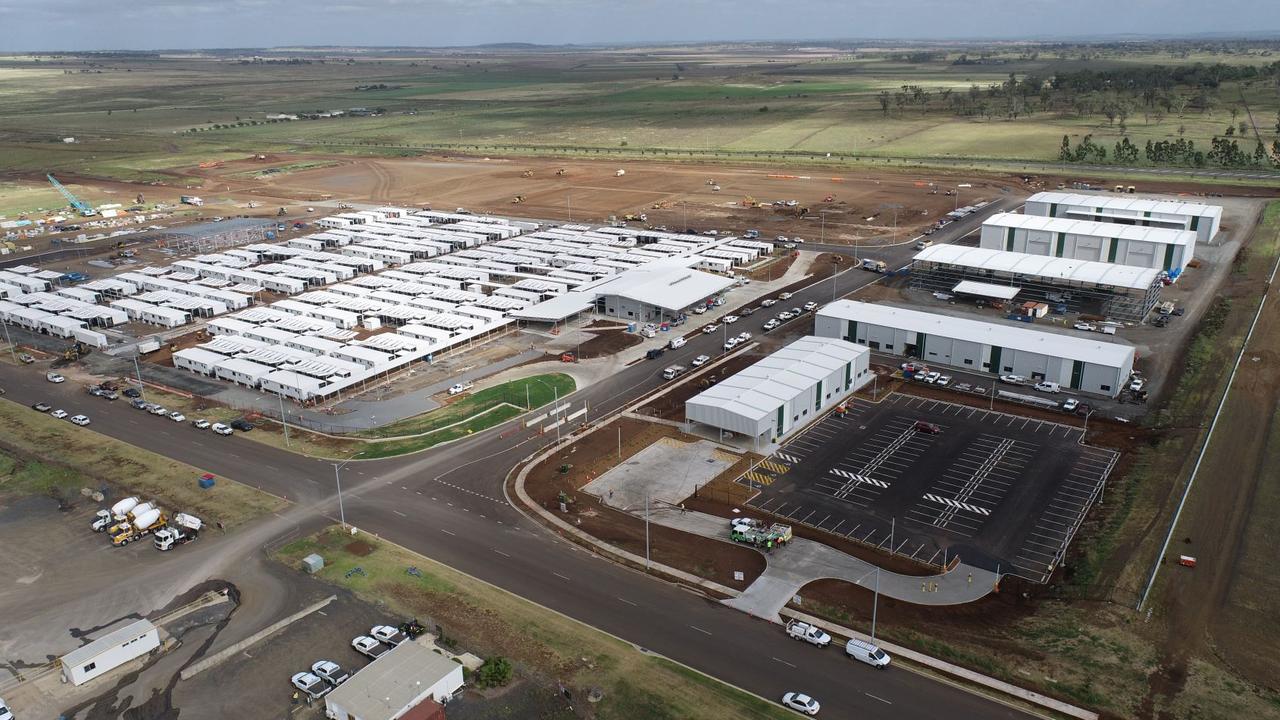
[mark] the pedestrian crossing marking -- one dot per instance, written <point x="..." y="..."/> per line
<point x="858" y="479"/>
<point x="957" y="504"/>
<point x="788" y="458"/>
<point x="775" y="467"/>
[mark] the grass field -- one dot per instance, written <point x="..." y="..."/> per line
<point x="57" y="458"/>
<point x="545" y="646"/>
<point x="134" y="119"/>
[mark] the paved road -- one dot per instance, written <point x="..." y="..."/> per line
<point x="448" y="504"/>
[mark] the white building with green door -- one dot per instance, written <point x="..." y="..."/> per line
<point x="1075" y="361"/>
<point x="1200" y="218"/>
<point x="1133" y="245"/>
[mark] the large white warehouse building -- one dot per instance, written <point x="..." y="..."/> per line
<point x="1146" y="247"/>
<point x="1079" y="363"/>
<point x="1202" y="219"/>
<point x="784" y="391"/>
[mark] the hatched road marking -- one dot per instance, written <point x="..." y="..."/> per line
<point x="957" y="504"/>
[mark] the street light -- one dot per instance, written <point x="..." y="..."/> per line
<point x="342" y="513"/>
<point x="12" y="349"/>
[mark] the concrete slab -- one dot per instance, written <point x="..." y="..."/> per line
<point x="667" y="471"/>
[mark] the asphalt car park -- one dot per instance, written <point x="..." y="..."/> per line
<point x="932" y="480"/>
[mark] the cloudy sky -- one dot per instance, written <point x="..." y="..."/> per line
<point x="152" y="24"/>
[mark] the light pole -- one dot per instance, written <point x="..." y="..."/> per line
<point x="337" y="479"/>
<point x="875" y="605"/>
<point x="137" y="369"/>
<point x="822" y="232"/>
<point x="12" y="350"/>
<point x="284" y="421"/>
<point x="646" y="531"/>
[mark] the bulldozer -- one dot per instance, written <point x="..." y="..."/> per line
<point x="75" y="352"/>
<point x="517" y="200"/>
<point x="561" y="172"/>
<point x="527" y="174"/>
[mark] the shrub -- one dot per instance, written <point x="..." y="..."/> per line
<point x="495" y="672"/>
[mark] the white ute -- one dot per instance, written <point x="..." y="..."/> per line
<point x="388" y="635"/>
<point x="314" y="687"/>
<point x="808" y="633"/>
<point x="330" y="671"/>
<point x="368" y="647"/>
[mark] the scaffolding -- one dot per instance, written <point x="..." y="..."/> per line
<point x="210" y="237"/>
<point x="1108" y="301"/>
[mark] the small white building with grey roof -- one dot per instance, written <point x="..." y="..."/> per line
<point x="109" y="652"/>
<point x="783" y="392"/>
<point x="1075" y="361"/>
<point x="393" y="685"/>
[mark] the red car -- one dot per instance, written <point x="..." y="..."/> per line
<point x="927" y="427"/>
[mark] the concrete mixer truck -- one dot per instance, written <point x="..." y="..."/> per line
<point x="142" y="525"/>
<point x="118" y="513"/>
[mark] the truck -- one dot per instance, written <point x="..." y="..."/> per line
<point x="141" y="526"/>
<point x="191" y="200"/>
<point x="183" y="530"/>
<point x="120" y="524"/>
<point x="809" y="633"/>
<point x="118" y="513"/>
<point x="673" y="372"/>
<point x="761" y="537"/>
<point x="874" y="265"/>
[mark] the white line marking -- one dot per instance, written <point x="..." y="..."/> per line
<point x="501" y="553"/>
<point x="446" y="532"/>
<point x="784" y="662"/>
<point x="873" y="697"/>
<point x="562" y="577"/>
<point x="695" y="627"/>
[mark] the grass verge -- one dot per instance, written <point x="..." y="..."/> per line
<point x="525" y="393"/>
<point x="544" y="645"/>
<point x="57" y="458"/>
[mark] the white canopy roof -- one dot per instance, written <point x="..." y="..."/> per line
<point x="969" y="287"/>
<point x="1040" y="266"/>
<point x="1164" y="236"/>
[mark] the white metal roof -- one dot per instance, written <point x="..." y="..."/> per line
<point x="200" y="355"/>
<point x="1129" y="203"/>
<point x="1041" y="266"/>
<point x="988" y="333"/>
<point x="1164" y="236"/>
<point x="388" y="685"/>
<point x="970" y="287"/>
<point x="758" y="390"/>
<point x="85" y="653"/>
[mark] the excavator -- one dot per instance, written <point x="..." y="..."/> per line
<point x="561" y="172"/>
<point x="517" y="200"/>
<point x="527" y="174"/>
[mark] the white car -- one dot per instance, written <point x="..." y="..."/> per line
<point x="707" y="330"/>
<point x="177" y="416"/>
<point x="811" y="306"/>
<point x="780" y="238"/>
<point x="1013" y="379"/>
<point x="80" y="420"/>
<point x="313" y="686"/>
<point x="785" y="296"/>
<point x="785" y="315"/>
<point x="801" y="703"/>
<point x="368" y="647"/>
<point x="768" y="303"/>
<point x="330" y="671"/>
<point x="460" y="388"/>
<point x="731" y="343"/>
<point x="54" y="377"/>
<point x="943" y="381"/>
<point x="700" y="361"/>
<point x="932" y="377"/>
<point x="924" y="244"/>
<point x="797" y="240"/>
<point x="59" y="413"/>
<point x="387" y="635"/>
<point x="1070" y="405"/>
<point x="4" y="711"/>
<point x="1085" y="326"/>
<point x="730" y="319"/>
<point x="744" y="337"/>
<point x="157" y="410"/>
<point x="773" y="323"/>
<point x="700" y="309"/>
<point x="200" y="424"/>
<point x="221" y="429"/>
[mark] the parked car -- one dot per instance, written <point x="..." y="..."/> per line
<point x="744" y="337"/>
<point x="331" y="671"/>
<point x="314" y="687"/>
<point x="943" y="381"/>
<point x="932" y="377"/>
<point x="700" y="361"/>
<point x="58" y="414"/>
<point x="200" y="424"/>
<point x="801" y="703"/>
<point x="1085" y="326"/>
<point x="157" y="410"/>
<point x="1048" y="387"/>
<point x="926" y="427"/>
<point x="1070" y="405"/>
<point x="25" y="359"/>
<point x="914" y="367"/>
<point x="770" y="302"/>
<point x="731" y="343"/>
<point x="368" y="647"/>
<point x="730" y="319"/>
<point x="784" y="296"/>
<point x="810" y="306"/>
<point x="868" y="653"/>
<point x="1013" y="379"/>
<point x="54" y="377"/>
<point x="80" y="420"/>
<point x="177" y="416"/>
<point x="708" y="329"/>
<point x="4" y="711"/>
<point x="699" y="310"/>
<point x="139" y="403"/>
<point x="42" y="407"/>
<point x="132" y="393"/>
<point x="242" y="425"/>
<point x="773" y="323"/>
<point x="221" y="429"/>
<point x="460" y="388"/>
<point x="387" y="634"/>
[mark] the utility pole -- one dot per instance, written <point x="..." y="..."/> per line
<point x="555" y="391"/>
<point x="342" y="513"/>
<point x="13" y="351"/>
<point x="875" y="605"/>
<point x="137" y="369"/>
<point x="822" y="232"/>
<point x="646" y="531"/>
<point x="284" y="420"/>
<point x="619" y="441"/>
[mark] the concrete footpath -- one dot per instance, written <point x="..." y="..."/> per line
<point x="802" y="561"/>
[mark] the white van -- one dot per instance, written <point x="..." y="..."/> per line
<point x="867" y="653"/>
<point x="677" y="343"/>
<point x="1048" y="387"/>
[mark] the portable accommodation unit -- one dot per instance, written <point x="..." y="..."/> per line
<point x="242" y="372"/>
<point x="109" y="652"/>
<point x="198" y="360"/>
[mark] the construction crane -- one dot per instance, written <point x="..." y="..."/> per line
<point x="85" y="208"/>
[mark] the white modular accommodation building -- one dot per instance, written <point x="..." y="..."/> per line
<point x="109" y="652"/>
<point x="1134" y="245"/>
<point x="994" y="348"/>
<point x="1200" y="218"/>
<point x="785" y="391"/>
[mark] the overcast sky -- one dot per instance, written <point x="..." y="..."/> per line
<point x="152" y="24"/>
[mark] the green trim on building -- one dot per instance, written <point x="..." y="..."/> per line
<point x="1195" y="223"/>
<point x="781" y="417"/>
<point x="1168" y="257"/>
<point x="817" y="398"/>
<point x="1077" y="374"/>
<point x="1062" y="244"/>
<point x="1008" y="240"/>
<point x="1111" y="252"/>
<point x="994" y="361"/>
<point x="848" y="375"/>
<point x="920" y="340"/>
<point x="851" y="331"/>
